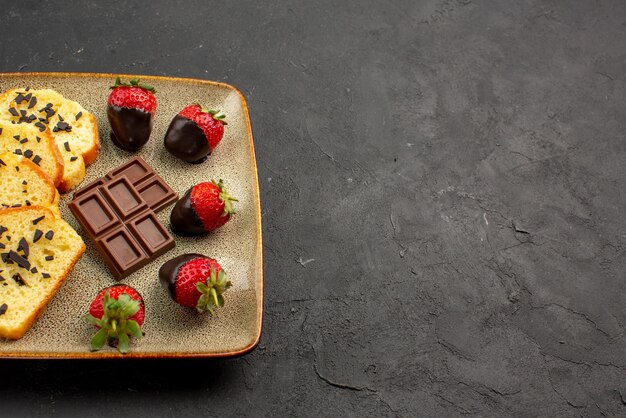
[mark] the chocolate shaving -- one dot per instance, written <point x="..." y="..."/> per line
<point x="32" y="103"/>
<point x="49" y="235"/>
<point x="13" y="111"/>
<point x="37" y="159"/>
<point x="78" y="115"/>
<point x="45" y="275"/>
<point x="28" y="153"/>
<point x="3" y="308"/>
<point x="37" y="220"/>
<point x="37" y="236"/>
<point x="62" y="126"/>
<point x="18" y="279"/>
<point x="21" y="261"/>
<point x="23" y="246"/>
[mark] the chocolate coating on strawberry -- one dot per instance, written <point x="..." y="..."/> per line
<point x="131" y="108"/>
<point x="184" y="220"/>
<point x="203" y="208"/>
<point x="184" y="139"/>
<point x="130" y="128"/>
<point x="194" y="133"/>
<point x="194" y="280"/>
<point x="169" y="271"/>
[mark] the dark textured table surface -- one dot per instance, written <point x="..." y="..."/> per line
<point x="443" y="204"/>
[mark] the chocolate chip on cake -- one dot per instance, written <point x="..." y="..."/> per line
<point x="23" y="247"/>
<point x="19" y="260"/>
<point x="38" y="234"/>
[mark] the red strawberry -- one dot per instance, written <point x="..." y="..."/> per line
<point x="194" y="280"/>
<point x="131" y="109"/>
<point x="194" y="133"/>
<point x="119" y="313"/>
<point x="204" y="208"/>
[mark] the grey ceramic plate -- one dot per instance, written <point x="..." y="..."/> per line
<point x="171" y="330"/>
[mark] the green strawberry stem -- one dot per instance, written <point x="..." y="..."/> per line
<point x="228" y="200"/>
<point x="211" y="292"/>
<point x="114" y="324"/>
<point x="215" y="113"/>
<point x="133" y="83"/>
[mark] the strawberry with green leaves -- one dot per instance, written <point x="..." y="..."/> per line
<point x="204" y="208"/>
<point x="194" y="133"/>
<point x="118" y="311"/>
<point x="195" y="281"/>
<point x="131" y="108"/>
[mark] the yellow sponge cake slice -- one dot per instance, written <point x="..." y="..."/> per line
<point x="37" y="252"/>
<point x="38" y="147"/>
<point x="73" y="128"/>
<point x="25" y="184"/>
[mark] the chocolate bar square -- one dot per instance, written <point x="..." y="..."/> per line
<point x="118" y="214"/>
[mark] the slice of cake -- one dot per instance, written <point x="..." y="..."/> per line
<point x="73" y="128"/>
<point x="38" y="147"/>
<point x="37" y="252"/>
<point x="24" y="183"/>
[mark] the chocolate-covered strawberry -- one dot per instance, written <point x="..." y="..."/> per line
<point x="195" y="281"/>
<point x="131" y="109"/>
<point x="194" y="133"/>
<point x="118" y="311"/>
<point x="204" y="208"/>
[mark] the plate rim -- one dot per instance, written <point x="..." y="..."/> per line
<point x="43" y="355"/>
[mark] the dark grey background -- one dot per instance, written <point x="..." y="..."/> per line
<point x="443" y="204"/>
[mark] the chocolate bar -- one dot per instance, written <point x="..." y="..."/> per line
<point x="117" y="212"/>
